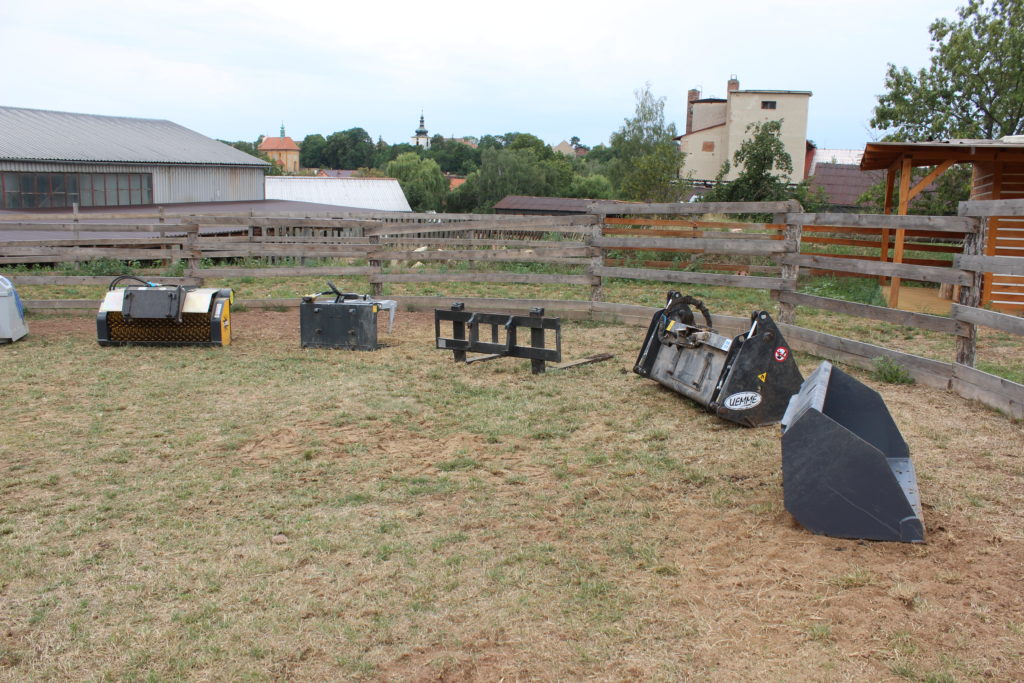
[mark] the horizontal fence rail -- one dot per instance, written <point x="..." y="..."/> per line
<point x="676" y="244"/>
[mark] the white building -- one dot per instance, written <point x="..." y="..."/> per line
<point x="715" y="127"/>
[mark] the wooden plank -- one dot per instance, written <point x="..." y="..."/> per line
<point x="929" y="372"/>
<point x="992" y="207"/>
<point x="471" y="242"/>
<point x="980" y="316"/>
<point x="689" y="209"/>
<point x="298" y="271"/>
<point x="1004" y="265"/>
<point x="701" y="266"/>
<point x="944" y="224"/>
<point x="94" y="279"/>
<point x="695" y="278"/>
<point x="714" y="246"/>
<point x="89" y="255"/>
<point x="993" y="391"/>
<point x="908" y="271"/>
<point x="564" y="224"/>
<point x="118" y="242"/>
<point x="93" y="227"/>
<point x="516" y="278"/>
<point x="921" y="321"/>
<point x="554" y="307"/>
<point x="692" y="224"/>
<point x="575" y="253"/>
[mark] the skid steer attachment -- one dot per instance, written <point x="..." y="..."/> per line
<point x="349" y="321"/>
<point x="846" y="469"/>
<point x="163" y="315"/>
<point x="747" y="379"/>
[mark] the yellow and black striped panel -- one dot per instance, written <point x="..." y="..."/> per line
<point x="193" y="329"/>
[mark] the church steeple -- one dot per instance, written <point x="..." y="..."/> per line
<point x="422" y="138"/>
<point x="282" y="129"/>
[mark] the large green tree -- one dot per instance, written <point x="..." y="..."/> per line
<point x="421" y="179"/>
<point x="349" y="149"/>
<point x="763" y="166"/>
<point x="974" y="85"/>
<point x="644" y="157"/>
<point x="312" y="151"/>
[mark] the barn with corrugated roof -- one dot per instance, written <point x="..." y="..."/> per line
<point x="51" y="159"/>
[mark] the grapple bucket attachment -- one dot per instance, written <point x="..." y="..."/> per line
<point x="747" y="379"/>
<point x="846" y="469"/>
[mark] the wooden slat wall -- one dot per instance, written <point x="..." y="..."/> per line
<point x="1000" y="181"/>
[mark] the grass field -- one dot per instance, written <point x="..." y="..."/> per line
<point x="263" y="512"/>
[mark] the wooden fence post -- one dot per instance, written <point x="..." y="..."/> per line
<point x="378" y="287"/>
<point x="970" y="295"/>
<point x="597" y="260"/>
<point x="791" y="236"/>
<point x="192" y="252"/>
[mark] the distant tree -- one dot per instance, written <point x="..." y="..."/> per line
<point x="974" y="85"/>
<point x="311" y="151"/>
<point x="369" y="173"/>
<point x="645" y="159"/>
<point x="453" y="156"/>
<point x="530" y="142"/>
<point x="421" y="179"/>
<point x="349" y="149"/>
<point x="591" y="187"/>
<point x="251" y="148"/>
<point x="763" y="164"/>
<point x="941" y="199"/>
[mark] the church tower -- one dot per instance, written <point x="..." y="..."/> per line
<point x="421" y="139"/>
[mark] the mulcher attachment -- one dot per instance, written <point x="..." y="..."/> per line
<point x="158" y="315"/>
<point x="846" y="469"/>
<point x="747" y="379"/>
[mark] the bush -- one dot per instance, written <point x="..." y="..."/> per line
<point x="889" y="371"/>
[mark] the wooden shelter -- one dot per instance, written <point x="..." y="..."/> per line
<point x="998" y="173"/>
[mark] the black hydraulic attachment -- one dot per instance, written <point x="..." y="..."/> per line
<point x="333" y="319"/>
<point x="846" y="469"/>
<point x="504" y="337"/>
<point x="747" y="379"/>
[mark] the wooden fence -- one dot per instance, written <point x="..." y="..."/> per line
<point x="668" y="243"/>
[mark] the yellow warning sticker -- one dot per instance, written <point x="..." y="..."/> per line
<point x="671" y="324"/>
<point x="763" y="376"/>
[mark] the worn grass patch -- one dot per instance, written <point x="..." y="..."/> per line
<point x="263" y="512"/>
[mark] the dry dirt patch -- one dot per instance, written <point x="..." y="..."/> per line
<point x="267" y="512"/>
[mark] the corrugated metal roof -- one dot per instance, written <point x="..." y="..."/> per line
<point x="37" y="134"/>
<point x="380" y="194"/>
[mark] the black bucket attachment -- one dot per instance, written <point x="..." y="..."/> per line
<point x="846" y="469"/>
<point x="747" y="379"/>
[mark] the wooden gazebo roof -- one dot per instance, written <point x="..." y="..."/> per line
<point x="885" y="155"/>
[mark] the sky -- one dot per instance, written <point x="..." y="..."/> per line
<point x="236" y="69"/>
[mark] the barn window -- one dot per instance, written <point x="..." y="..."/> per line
<point x="55" y="190"/>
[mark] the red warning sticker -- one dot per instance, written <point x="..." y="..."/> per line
<point x="781" y="353"/>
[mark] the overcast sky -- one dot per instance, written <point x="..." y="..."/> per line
<point x="233" y="69"/>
